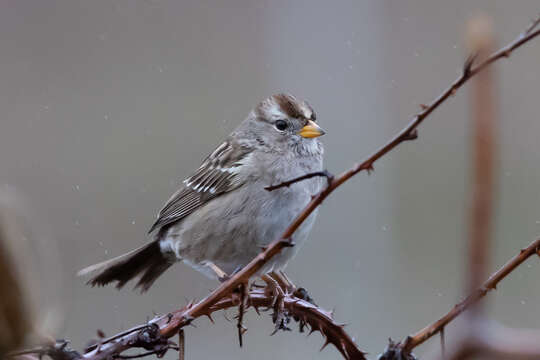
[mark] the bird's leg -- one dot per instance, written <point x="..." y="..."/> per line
<point x="283" y="280"/>
<point x="274" y="287"/>
<point x="280" y="316"/>
<point x="221" y="275"/>
<point x="287" y="284"/>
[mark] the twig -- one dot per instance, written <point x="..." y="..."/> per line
<point x="500" y="343"/>
<point x="443" y="344"/>
<point x="181" y="344"/>
<point x="480" y="38"/>
<point x="240" y="324"/>
<point x="136" y="356"/>
<point x="421" y="336"/>
<point x="329" y="177"/>
<point x="58" y="350"/>
<point x="116" y="336"/>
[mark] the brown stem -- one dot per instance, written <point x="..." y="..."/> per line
<point x="181" y="344"/>
<point x="153" y="336"/>
<point x="421" y="336"/>
<point x="480" y="38"/>
<point x="498" y="342"/>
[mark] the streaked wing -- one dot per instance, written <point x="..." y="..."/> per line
<point x="217" y="175"/>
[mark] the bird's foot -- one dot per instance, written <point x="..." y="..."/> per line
<point x="303" y="294"/>
<point x="280" y="316"/>
<point x="290" y="288"/>
<point x="222" y="275"/>
<point x="283" y="280"/>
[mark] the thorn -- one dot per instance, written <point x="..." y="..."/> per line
<point x="100" y="333"/>
<point x="413" y="135"/>
<point x="331" y="313"/>
<point x="467" y="66"/>
<point x="287" y="242"/>
<point x="424" y="107"/>
<point x="256" y="308"/>
<point x="188" y="319"/>
<point x="407" y="340"/>
<point x="370" y="168"/>
<point x="326" y="342"/>
<point x="344" y="349"/>
<point x="210" y="318"/>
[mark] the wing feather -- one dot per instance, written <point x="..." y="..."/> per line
<point x="218" y="174"/>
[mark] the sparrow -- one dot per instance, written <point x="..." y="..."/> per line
<point x="222" y="215"/>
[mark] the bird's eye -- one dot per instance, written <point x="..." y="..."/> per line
<point x="281" y="125"/>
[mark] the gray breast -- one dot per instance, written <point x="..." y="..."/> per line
<point x="232" y="229"/>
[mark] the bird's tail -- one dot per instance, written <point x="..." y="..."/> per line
<point x="148" y="262"/>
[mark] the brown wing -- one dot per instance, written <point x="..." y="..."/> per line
<point x="217" y="175"/>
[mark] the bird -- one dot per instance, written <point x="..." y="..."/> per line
<point x="222" y="216"/>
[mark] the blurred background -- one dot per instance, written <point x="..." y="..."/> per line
<point x="108" y="105"/>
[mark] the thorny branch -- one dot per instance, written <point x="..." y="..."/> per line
<point x="154" y="336"/>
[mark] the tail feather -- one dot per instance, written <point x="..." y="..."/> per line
<point x="146" y="260"/>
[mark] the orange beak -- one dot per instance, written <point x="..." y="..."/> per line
<point x="311" y="130"/>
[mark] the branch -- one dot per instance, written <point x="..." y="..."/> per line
<point x="421" y="336"/>
<point x="500" y="343"/>
<point x="409" y="132"/>
<point x="153" y="336"/>
<point x="482" y="202"/>
<point x="58" y="350"/>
